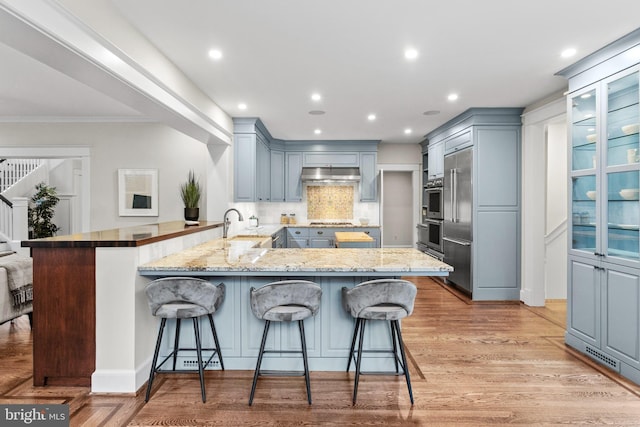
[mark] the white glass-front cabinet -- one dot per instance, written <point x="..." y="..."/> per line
<point x="604" y="248"/>
<point x="605" y="170"/>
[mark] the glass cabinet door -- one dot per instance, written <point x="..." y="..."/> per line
<point x="583" y="213"/>
<point x="623" y="213"/>
<point x="623" y="171"/>
<point x="583" y="132"/>
<point x="623" y="117"/>
<point x="584" y="138"/>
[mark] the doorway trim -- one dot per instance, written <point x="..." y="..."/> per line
<point x="533" y="226"/>
<point x="415" y="189"/>
<point x="61" y="152"/>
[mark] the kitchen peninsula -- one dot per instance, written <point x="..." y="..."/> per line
<point x="241" y="266"/>
<point x="122" y="337"/>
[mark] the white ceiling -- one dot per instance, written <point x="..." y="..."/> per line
<point x="493" y="53"/>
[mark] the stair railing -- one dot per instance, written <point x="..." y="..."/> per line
<point x="6" y="217"/>
<point x="12" y="170"/>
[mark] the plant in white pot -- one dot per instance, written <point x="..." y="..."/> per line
<point x="190" y="193"/>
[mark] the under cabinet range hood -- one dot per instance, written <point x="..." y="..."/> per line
<point x="331" y="174"/>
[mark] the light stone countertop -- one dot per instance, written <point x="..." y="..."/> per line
<point x="227" y="257"/>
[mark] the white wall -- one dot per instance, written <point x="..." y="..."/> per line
<point x="132" y="146"/>
<point x="556" y="212"/>
<point x="399" y="154"/>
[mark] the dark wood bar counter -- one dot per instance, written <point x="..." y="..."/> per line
<point x="67" y="277"/>
<point x="123" y="237"/>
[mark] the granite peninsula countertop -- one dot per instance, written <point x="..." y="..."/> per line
<point x="228" y="257"/>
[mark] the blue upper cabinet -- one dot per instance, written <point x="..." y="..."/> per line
<point x="252" y="161"/>
<point x="368" y="177"/>
<point x="277" y="176"/>
<point x="244" y="150"/>
<point x="269" y="170"/>
<point x="333" y="159"/>
<point x="293" y="170"/>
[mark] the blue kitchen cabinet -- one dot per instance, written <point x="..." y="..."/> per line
<point x="435" y="166"/>
<point x="263" y="171"/>
<point x="293" y="181"/>
<point x="297" y="237"/>
<point x="603" y="314"/>
<point x="269" y="170"/>
<point x="490" y="199"/>
<point x="368" y="177"/>
<point x="373" y="232"/>
<point x="279" y="239"/>
<point x="252" y="161"/>
<point x="277" y="176"/>
<point x="324" y="237"/>
<point x="330" y="158"/>
<point x="603" y="302"/>
<point x="244" y="178"/>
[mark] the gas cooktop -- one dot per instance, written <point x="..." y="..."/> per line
<point x="330" y="223"/>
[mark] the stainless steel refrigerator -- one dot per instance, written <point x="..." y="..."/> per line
<point x="458" y="206"/>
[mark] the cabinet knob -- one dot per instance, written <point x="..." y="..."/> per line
<point x="320" y="232"/>
<point x="297" y="232"/>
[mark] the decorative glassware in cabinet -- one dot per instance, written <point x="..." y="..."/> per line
<point x="623" y="119"/>
<point x="583" y="213"/>
<point x="584" y="134"/>
<point x="623" y="214"/>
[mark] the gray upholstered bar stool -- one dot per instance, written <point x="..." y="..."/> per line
<point x="284" y="301"/>
<point x="382" y="299"/>
<point x="184" y="298"/>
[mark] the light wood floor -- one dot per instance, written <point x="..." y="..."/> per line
<point x="472" y="364"/>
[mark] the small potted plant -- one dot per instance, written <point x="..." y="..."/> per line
<point x="190" y="193"/>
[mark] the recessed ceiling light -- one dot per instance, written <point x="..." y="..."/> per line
<point x="567" y="53"/>
<point x="371" y="117"/>
<point x="242" y="106"/>
<point x="452" y="97"/>
<point x="407" y="131"/>
<point x="215" y="54"/>
<point x="316" y="96"/>
<point x="431" y="112"/>
<point x="317" y="131"/>
<point x="410" y="53"/>
<point x="316" y="112"/>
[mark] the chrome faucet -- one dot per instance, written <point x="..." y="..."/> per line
<point x="227" y="222"/>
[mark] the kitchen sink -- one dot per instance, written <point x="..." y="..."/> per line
<point x="260" y="241"/>
<point x="248" y="237"/>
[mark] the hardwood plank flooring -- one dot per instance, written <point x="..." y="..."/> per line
<point x="471" y="364"/>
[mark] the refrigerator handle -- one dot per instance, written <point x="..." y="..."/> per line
<point x="452" y="193"/>
<point x="456" y="241"/>
<point x="455" y="196"/>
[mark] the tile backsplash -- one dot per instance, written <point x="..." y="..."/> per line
<point x="269" y="213"/>
<point x="330" y="201"/>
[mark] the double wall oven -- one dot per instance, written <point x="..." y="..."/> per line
<point x="430" y="229"/>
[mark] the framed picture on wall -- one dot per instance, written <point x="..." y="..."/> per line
<point x="138" y="192"/>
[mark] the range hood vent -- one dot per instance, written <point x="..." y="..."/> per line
<point x="331" y="174"/>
